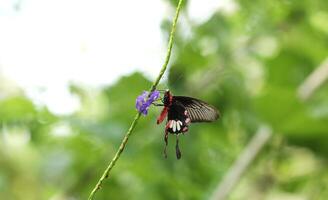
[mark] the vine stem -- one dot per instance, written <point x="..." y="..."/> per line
<point x="137" y="116"/>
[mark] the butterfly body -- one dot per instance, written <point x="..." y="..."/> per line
<point x="180" y="112"/>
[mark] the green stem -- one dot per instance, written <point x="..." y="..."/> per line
<point x="136" y="118"/>
<point x="169" y="49"/>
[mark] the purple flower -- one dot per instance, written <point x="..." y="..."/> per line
<point x="154" y="96"/>
<point x="142" y="103"/>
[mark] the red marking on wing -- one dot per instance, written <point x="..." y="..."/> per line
<point x="162" y="115"/>
<point x="167" y="126"/>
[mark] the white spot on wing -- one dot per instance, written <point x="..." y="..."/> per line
<point x="178" y="125"/>
<point x="174" y="125"/>
<point x="171" y="123"/>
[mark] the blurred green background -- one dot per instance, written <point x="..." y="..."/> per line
<point x="249" y="63"/>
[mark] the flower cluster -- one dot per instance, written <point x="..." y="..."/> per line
<point x="142" y="103"/>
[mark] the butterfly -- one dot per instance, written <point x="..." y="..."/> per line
<point x="180" y="112"/>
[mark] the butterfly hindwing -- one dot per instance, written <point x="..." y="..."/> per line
<point x="177" y="118"/>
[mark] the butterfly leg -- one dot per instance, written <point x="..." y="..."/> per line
<point x="177" y="149"/>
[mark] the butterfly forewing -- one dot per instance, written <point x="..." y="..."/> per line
<point x="198" y="110"/>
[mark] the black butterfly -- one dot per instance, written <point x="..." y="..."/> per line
<point x="180" y="112"/>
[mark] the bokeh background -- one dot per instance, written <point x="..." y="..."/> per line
<point x="70" y="72"/>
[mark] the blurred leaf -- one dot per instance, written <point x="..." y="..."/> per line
<point x="16" y="109"/>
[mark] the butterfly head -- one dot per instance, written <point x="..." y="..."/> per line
<point x="167" y="100"/>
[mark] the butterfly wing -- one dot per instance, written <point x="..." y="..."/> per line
<point x="197" y="110"/>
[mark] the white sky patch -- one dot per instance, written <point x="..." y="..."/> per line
<point x="201" y="10"/>
<point x="47" y="44"/>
